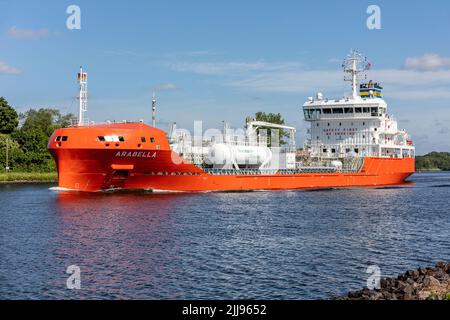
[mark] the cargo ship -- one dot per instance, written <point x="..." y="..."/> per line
<point x="352" y="141"/>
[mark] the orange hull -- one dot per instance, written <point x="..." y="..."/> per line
<point x="86" y="164"/>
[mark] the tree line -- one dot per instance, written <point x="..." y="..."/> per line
<point x="24" y="136"/>
<point x="434" y="161"/>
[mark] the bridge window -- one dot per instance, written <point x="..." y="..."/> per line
<point x="327" y="111"/>
<point x="338" y="110"/>
<point x="348" y="110"/>
<point x="358" y="110"/>
<point x="365" y="110"/>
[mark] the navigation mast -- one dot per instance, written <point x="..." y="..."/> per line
<point x="355" y="65"/>
<point x="154" y="111"/>
<point x="82" y="80"/>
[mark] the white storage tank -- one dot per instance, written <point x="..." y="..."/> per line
<point x="337" y="164"/>
<point x="223" y="155"/>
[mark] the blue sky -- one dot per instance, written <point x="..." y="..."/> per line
<point x="224" y="60"/>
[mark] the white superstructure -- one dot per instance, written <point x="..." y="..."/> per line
<point x="355" y="126"/>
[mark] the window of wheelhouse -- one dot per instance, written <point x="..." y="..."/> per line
<point x="358" y="110"/>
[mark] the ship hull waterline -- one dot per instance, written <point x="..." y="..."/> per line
<point x="94" y="170"/>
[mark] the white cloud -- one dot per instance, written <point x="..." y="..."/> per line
<point x="7" y="69"/>
<point x="428" y="62"/>
<point x="231" y="68"/>
<point x="165" y="87"/>
<point x="14" y="32"/>
<point x="262" y="76"/>
<point x="291" y="81"/>
<point x="198" y="53"/>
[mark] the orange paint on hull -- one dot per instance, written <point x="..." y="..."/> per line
<point x="86" y="164"/>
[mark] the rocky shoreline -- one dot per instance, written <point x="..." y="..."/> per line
<point x="420" y="284"/>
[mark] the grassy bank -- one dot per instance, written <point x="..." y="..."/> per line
<point x="18" y="177"/>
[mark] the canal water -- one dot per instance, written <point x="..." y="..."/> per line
<point x="306" y="244"/>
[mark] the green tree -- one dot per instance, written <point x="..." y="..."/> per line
<point x="433" y="161"/>
<point x="275" y="118"/>
<point x="45" y="120"/>
<point x="33" y="135"/>
<point x="15" y="154"/>
<point x="8" y="117"/>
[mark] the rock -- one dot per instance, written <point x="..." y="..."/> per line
<point x="441" y="275"/>
<point x="375" y="295"/>
<point x="401" y="286"/>
<point x="431" y="282"/>
<point x="420" y="284"/>
<point x="430" y="271"/>
<point x="385" y="283"/>
<point x="354" y="294"/>
<point x="408" y="290"/>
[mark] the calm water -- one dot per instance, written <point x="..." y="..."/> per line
<point x="269" y="245"/>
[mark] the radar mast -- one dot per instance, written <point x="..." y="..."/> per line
<point x="355" y="65"/>
<point x="82" y="80"/>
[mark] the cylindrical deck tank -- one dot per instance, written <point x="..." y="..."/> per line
<point x="221" y="154"/>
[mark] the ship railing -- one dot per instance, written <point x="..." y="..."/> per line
<point x="271" y="171"/>
<point x="324" y="116"/>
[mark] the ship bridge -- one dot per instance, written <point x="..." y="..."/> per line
<point x="354" y="126"/>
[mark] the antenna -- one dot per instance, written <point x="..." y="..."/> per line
<point x="355" y="65"/>
<point x="82" y="80"/>
<point x="154" y="110"/>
